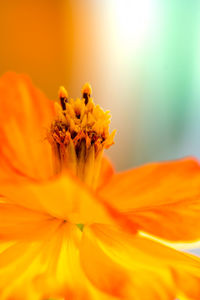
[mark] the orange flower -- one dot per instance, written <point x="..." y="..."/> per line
<point x="69" y="225"/>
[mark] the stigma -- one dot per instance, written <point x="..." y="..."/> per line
<point x="78" y="135"/>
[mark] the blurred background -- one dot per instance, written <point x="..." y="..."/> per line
<point x="142" y="58"/>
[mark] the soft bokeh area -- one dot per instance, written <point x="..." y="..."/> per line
<point x="141" y="57"/>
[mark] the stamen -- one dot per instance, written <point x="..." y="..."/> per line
<point x="79" y="135"/>
<point x="86" y="92"/>
<point x="63" y="95"/>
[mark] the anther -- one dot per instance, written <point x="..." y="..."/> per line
<point x="86" y="92"/>
<point x="63" y="96"/>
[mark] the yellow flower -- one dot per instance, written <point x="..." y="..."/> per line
<point x="69" y="224"/>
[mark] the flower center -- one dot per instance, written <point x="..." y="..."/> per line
<point x="78" y="136"/>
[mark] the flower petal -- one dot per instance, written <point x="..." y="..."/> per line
<point x="64" y="276"/>
<point x="106" y="171"/>
<point x="100" y="270"/>
<point x="162" y="198"/>
<point x="19" y="264"/>
<point x="64" y="197"/>
<point x="133" y="267"/>
<point x="46" y="268"/>
<point x="25" y="114"/>
<point x="19" y="223"/>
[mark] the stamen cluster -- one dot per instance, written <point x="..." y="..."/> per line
<point x="81" y="128"/>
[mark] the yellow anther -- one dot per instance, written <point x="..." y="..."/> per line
<point x="62" y="93"/>
<point x="87" y="89"/>
<point x="63" y="96"/>
<point x="86" y="92"/>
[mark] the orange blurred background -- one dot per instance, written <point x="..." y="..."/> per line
<point x="56" y="42"/>
<point x="31" y="41"/>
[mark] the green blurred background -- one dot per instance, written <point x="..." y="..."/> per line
<point x="141" y="57"/>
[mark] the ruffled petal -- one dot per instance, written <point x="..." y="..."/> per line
<point x="102" y="271"/>
<point x="63" y="276"/>
<point x="133" y="267"/>
<point x="19" y="223"/>
<point x="25" y="115"/>
<point x="65" y="198"/>
<point x="20" y="262"/>
<point x="163" y="199"/>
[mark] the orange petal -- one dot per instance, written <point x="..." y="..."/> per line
<point x="20" y="261"/>
<point x="163" y="199"/>
<point x="63" y="275"/>
<point x="100" y="270"/>
<point x="20" y="223"/>
<point x="23" y="262"/>
<point x="46" y="268"/>
<point x="64" y="197"/>
<point x="106" y="171"/>
<point x="134" y="267"/>
<point x="25" y="115"/>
